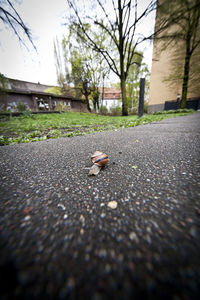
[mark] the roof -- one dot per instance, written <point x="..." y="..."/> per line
<point x="33" y="93"/>
<point x="16" y="86"/>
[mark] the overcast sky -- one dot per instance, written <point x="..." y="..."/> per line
<point x="45" y="18"/>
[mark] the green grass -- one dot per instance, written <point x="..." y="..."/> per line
<point x="32" y="127"/>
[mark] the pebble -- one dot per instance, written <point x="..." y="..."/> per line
<point x="119" y="238"/>
<point x="71" y="282"/>
<point x="189" y="220"/>
<point x="133" y="237"/>
<point x="193" y="232"/>
<point x="82" y="219"/>
<point x="102" y="253"/>
<point x="112" y="204"/>
<point x="148" y="239"/>
<point x="82" y="231"/>
<point x="61" y="206"/>
<point x="27" y="218"/>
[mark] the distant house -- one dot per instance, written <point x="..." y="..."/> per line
<point x="110" y="97"/>
<point x="33" y="95"/>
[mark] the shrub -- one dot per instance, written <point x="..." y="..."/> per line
<point x="60" y="107"/>
<point x="21" y="107"/>
<point x="133" y="111"/>
<point x="115" y="110"/>
<point x="177" y="111"/>
<point x="103" y="110"/>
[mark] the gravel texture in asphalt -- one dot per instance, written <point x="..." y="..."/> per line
<point x="132" y="232"/>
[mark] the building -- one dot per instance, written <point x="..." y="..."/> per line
<point x="35" y="98"/>
<point x="162" y="94"/>
<point x="110" y="97"/>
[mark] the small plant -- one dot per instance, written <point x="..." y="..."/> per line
<point x="103" y="110"/>
<point x="21" y="107"/>
<point x="27" y="114"/>
<point x="177" y="111"/>
<point x="133" y="111"/>
<point x="60" y="107"/>
<point x="115" y="111"/>
<point x="54" y="133"/>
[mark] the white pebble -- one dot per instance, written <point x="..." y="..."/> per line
<point x="133" y="236"/>
<point x="61" y="206"/>
<point x="27" y="218"/>
<point x="82" y="219"/>
<point x="112" y="204"/>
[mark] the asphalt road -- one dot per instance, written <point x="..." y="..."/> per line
<point x="60" y="239"/>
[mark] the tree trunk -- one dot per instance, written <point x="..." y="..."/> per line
<point x="87" y="102"/>
<point x="96" y="102"/>
<point x="186" y="75"/>
<point x="121" y="55"/>
<point x="95" y="105"/>
<point x="124" y="99"/>
<point x="86" y="94"/>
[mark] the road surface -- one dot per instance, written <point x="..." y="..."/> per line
<point x="132" y="232"/>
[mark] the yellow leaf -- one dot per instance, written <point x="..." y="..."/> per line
<point x="134" y="167"/>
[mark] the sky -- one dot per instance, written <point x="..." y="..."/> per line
<point x="46" y="20"/>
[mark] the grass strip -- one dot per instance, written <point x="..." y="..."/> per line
<point x="32" y="127"/>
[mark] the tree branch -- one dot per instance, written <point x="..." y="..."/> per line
<point x="104" y="53"/>
<point x="11" y="18"/>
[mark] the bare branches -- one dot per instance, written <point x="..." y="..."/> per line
<point x="112" y="26"/>
<point x="90" y="41"/>
<point x="121" y="29"/>
<point x="119" y="24"/>
<point x="11" y="18"/>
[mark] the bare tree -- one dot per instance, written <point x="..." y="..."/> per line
<point x="11" y="18"/>
<point x="120" y="24"/>
<point x="178" y="25"/>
